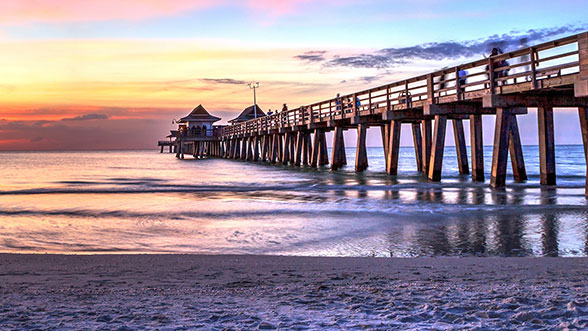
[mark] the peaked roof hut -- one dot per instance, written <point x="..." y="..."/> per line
<point x="199" y="114"/>
<point x="247" y="114"/>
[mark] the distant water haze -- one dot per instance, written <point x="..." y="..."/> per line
<point x="146" y="202"/>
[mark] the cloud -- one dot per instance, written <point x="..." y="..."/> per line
<point x="312" y="56"/>
<point x="229" y="81"/>
<point x="436" y="51"/>
<point x="369" y="79"/>
<point x="87" y="117"/>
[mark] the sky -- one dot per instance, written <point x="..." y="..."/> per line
<point x="114" y="74"/>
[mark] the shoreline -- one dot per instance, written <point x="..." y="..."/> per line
<point x="128" y="291"/>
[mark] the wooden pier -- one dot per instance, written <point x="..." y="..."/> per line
<point x="545" y="76"/>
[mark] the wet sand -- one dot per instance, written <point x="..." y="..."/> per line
<point x="266" y="292"/>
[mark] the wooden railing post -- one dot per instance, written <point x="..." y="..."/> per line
<point x="388" y="106"/>
<point x="491" y="75"/>
<point x="457" y="84"/>
<point x="430" y="89"/>
<point x="581" y="86"/>
<point x="532" y="57"/>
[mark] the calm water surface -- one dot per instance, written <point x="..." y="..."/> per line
<point x="143" y="201"/>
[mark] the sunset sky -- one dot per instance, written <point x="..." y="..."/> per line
<point x="113" y="74"/>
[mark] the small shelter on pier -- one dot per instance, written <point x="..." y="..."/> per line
<point x="248" y="114"/>
<point x="199" y="122"/>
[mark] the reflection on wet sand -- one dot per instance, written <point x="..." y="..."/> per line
<point x="502" y="229"/>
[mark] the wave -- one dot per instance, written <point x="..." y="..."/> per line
<point x="415" y="211"/>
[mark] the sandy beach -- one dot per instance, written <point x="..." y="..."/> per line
<point x="273" y="292"/>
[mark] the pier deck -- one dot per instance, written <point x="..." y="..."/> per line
<point x="545" y="76"/>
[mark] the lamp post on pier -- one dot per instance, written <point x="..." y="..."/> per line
<point x="254" y="86"/>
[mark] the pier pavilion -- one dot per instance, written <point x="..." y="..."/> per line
<point x="545" y="76"/>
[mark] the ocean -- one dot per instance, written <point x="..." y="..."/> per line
<point x="145" y="202"/>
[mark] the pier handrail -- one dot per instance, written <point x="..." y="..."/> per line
<point x="528" y="69"/>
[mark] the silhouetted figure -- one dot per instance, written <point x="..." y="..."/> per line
<point x="498" y="64"/>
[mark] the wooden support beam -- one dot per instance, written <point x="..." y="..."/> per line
<point x="343" y="152"/>
<point x="323" y="152"/>
<point x="237" y="152"/>
<point x="417" y="140"/>
<point x="583" y="114"/>
<point x="280" y="151"/>
<point x="385" y="132"/>
<point x="546" y="145"/>
<point x="393" y="148"/>
<point x="306" y="149"/>
<point x="244" y="148"/>
<point x="451" y="108"/>
<point x="477" y="148"/>
<point x="299" y="145"/>
<point x="519" y="102"/>
<point x="438" y="146"/>
<point x="275" y="148"/>
<point x="293" y="136"/>
<point x="315" y="148"/>
<point x="361" y="159"/>
<point x="338" y="149"/>
<point x="286" y="149"/>
<point x="427" y="141"/>
<point x="460" y="147"/>
<point x="256" y="141"/>
<point x="264" y="148"/>
<point x="500" y="152"/>
<point x="516" y="152"/>
<point x="230" y="148"/>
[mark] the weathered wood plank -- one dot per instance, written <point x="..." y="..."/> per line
<point x="299" y="150"/>
<point x="417" y="140"/>
<point x="437" y="148"/>
<point x="361" y="159"/>
<point x="583" y="114"/>
<point x="323" y="152"/>
<point x="460" y="147"/>
<point x="426" y="144"/>
<point x="315" y="149"/>
<point x="500" y="152"/>
<point x="385" y="132"/>
<point x="256" y="141"/>
<point x="286" y="149"/>
<point x="338" y="148"/>
<point x="393" y="148"/>
<point x="516" y="152"/>
<point x="307" y="149"/>
<point x="477" y="147"/>
<point x="244" y="147"/>
<point x="546" y="145"/>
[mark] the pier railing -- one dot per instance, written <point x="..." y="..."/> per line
<point x="543" y="66"/>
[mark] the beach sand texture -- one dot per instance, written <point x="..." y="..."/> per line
<point x="266" y="292"/>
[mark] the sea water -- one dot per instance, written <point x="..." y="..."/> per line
<point x="147" y="202"/>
